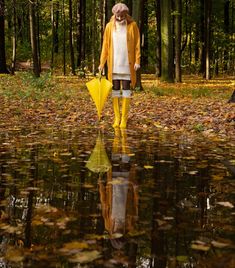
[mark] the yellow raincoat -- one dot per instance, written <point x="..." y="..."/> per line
<point x="133" y="46"/>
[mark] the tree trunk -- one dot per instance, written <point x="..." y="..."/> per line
<point x="13" y="61"/>
<point x="33" y="38"/>
<point x="144" y="43"/>
<point x="109" y="5"/>
<point x="137" y="14"/>
<point x="166" y="42"/>
<point x="56" y="37"/>
<point x="53" y="34"/>
<point x="202" y="37"/>
<point x="64" y="37"/>
<point x="178" y="18"/>
<point x="3" y="65"/>
<point x="158" y="37"/>
<point x="71" y="37"/>
<point x="93" y="37"/>
<point x="83" y="32"/>
<point x="226" y="31"/>
<point x="207" y="37"/>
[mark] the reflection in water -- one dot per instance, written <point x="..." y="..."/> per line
<point x="129" y="201"/>
<point x="119" y="192"/>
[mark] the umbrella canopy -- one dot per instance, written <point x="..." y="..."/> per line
<point x="99" y="89"/>
<point x="99" y="161"/>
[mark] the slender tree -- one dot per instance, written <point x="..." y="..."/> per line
<point x="167" y="71"/>
<point x="3" y="65"/>
<point x="33" y="38"/>
<point x="158" y="37"/>
<point x="137" y="14"/>
<point x="178" y="16"/>
<point x="64" y="41"/>
<point x="71" y="37"/>
<point x="13" y="61"/>
<point x="207" y="37"/>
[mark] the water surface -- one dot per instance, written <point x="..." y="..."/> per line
<point x="89" y="198"/>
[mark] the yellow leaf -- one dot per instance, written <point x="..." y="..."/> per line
<point x="148" y="167"/>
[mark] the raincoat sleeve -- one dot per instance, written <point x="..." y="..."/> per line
<point x="105" y="46"/>
<point x="137" y="44"/>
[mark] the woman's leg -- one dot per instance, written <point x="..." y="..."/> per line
<point x="116" y="95"/>
<point x="126" y="94"/>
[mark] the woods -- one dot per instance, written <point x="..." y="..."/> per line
<point x="178" y="37"/>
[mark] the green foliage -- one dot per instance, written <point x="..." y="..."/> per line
<point x="41" y="83"/>
<point x="199" y="127"/>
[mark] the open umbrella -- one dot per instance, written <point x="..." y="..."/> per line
<point x="99" y="161"/>
<point x="99" y="88"/>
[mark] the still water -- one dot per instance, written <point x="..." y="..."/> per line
<point x="92" y="198"/>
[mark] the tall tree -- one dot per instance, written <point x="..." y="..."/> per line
<point x="167" y="70"/>
<point x="33" y="38"/>
<point x="158" y="37"/>
<point x="3" y="65"/>
<point x="13" y="61"/>
<point x="109" y="4"/>
<point x="138" y="14"/>
<point x="207" y="37"/>
<point x="178" y="16"/>
<point x="226" y="30"/>
<point x="71" y="37"/>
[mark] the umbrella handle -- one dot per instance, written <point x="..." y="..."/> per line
<point x="99" y="75"/>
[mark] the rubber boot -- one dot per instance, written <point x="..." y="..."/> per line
<point x="116" y="112"/>
<point x="125" y="110"/>
<point x="116" y="141"/>
<point x="125" y="147"/>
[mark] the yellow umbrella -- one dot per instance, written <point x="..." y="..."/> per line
<point x="99" y="161"/>
<point x="99" y="89"/>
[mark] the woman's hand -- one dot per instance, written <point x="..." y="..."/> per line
<point x="136" y="66"/>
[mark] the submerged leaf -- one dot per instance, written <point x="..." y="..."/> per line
<point x="85" y="256"/>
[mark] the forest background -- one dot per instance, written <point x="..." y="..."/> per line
<point x="193" y="39"/>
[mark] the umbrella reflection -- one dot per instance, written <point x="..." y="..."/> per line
<point x="99" y="161"/>
<point x="118" y="193"/>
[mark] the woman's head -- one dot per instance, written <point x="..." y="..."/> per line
<point x="120" y="11"/>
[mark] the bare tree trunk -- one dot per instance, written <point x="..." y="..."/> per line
<point x="3" y="65"/>
<point x="226" y="31"/>
<point x="93" y="37"/>
<point x="13" y="61"/>
<point x="83" y="33"/>
<point x="158" y="38"/>
<point x="33" y="38"/>
<point x="202" y="37"/>
<point x="64" y="36"/>
<point x="53" y="34"/>
<point x="71" y="37"/>
<point x="207" y="36"/>
<point x="137" y="13"/>
<point x="109" y="5"/>
<point x="166" y="42"/>
<point x="178" y="18"/>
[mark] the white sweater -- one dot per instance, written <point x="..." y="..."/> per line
<point x="120" y="53"/>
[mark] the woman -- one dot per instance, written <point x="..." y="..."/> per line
<point x="121" y="50"/>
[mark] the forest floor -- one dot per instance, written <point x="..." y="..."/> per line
<point x="193" y="106"/>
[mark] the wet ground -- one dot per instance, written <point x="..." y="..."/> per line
<point x="92" y="198"/>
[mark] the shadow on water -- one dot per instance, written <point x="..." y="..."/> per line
<point x="120" y="199"/>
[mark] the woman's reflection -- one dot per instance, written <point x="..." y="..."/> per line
<point x="119" y="194"/>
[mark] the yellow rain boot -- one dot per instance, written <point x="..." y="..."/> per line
<point x="125" y="147"/>
<point x="116" y="112"/>
<point x="116" y="141"/>
<point x="125" y="110"/>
